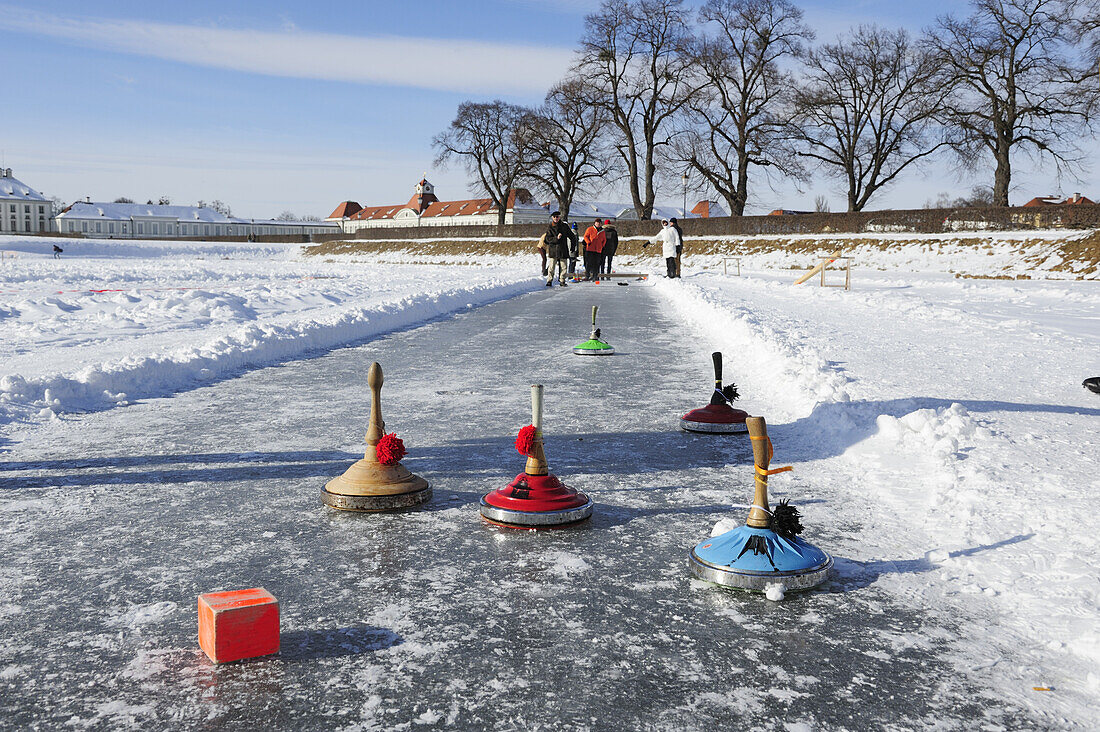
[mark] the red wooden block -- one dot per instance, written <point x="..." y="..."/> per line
<point x="238" y="624"/>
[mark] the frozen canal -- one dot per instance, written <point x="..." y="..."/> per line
<point x="114" y="522"/>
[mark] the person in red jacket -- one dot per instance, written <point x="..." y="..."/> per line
<point x="593" y="249"/>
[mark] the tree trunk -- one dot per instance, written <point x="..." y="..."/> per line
<point x="1003" y="176"/>
<point x="741" y="192"/>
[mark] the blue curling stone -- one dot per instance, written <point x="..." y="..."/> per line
<point x="752" y="559"/>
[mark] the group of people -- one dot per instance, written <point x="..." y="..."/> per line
<point x="560" y="248"/>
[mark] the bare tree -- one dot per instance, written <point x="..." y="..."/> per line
<point x="164" y="201"/>
<point x="980" y="196"/>
<point x="634" y="52"/>
<point x="1086" y="31"/>
<point x="866" y="109"/>
<point x="123" y="199"/>
<point x="1016" y="84"/>
<point x="492" y="144"/>
<point x="567" y="141"/>
<point x="286" y="216"/>
<point x="738" y="115"/>
<point x="821" y="204"/>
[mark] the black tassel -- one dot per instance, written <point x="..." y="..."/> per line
<point x="729" y="391"/>
<point x="785" y="520"/>
<point x="759" y="545"/>
<point x="597" y="336"/>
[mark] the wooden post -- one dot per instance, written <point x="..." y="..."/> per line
<point x="758" y="434"/>
<point x="377" y="427"/>
<point x="536" y="461"/>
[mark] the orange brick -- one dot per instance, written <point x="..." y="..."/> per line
<point x="238" y="624"/>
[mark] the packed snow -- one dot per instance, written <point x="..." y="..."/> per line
<point x="953" y="409"/>
<point x="110" y="323"/>
<point x="944" y="454"/>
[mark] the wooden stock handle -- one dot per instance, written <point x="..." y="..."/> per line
<point x="536" y="460"/>
<point x="761" y="457"/>
<point x="377" y="427"/>
<point x="594" y="309"/>
<point x="536" y="406"/>
<point x="717" y="358"/>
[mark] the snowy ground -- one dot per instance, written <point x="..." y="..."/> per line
<point x="944" y="452"/>
<point x="121" y="321"/>
<point x="953" y="412"/>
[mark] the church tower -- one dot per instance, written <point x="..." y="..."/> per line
<point x="423" y="196"/>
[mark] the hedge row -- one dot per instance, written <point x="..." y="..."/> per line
<point x="930" y="221"/>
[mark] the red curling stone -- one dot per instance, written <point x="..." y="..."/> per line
<point x="536" y="502"/>
<point x="718" y="418"/>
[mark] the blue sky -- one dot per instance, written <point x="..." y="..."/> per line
<point x="276" y="105"/>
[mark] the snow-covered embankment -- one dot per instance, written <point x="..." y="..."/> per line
<point x="90" y="333"/>
<point x="942" y="433"/>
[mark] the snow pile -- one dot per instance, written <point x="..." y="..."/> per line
<point x="951" y="418"/>
<point x="766" y="359"/>
<point x="935" y="431"/>
<point x="87" y="334"/>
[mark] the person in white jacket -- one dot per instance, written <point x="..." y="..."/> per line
<point x="669" y="240"/>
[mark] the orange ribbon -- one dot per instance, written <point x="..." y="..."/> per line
<point x="762" y="471"/>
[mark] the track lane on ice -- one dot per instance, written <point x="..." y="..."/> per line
<point x="116" y="521"/>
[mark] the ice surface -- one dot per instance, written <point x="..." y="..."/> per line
<point x="939" y="444"/>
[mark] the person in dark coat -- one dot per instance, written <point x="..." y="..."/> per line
<point x="57" y="251"/>
<point x="558" y="238"/>
<point x="573" y="253"/>
<point x="610" y="245"/>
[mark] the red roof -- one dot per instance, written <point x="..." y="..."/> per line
<point x="345" y="209"/>
<point x="424" y="201"/>
<point x="1075" y="200"/>
<point x="702" y="209"/>
<point x="434" y="207"/>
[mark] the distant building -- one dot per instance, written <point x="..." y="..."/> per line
<point x="581" y="210"/>
<point x="155" y="221"/>
<point x="709" y="210"/>
<point x="1075" y="200"/>
<point x="788" y="212"/>
<point x="425" y="209"/>
<point x="23" y="210"/>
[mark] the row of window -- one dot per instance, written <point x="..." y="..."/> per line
<point x="26" y="208"/>
<point x="156" y="228"/>
<point x="14" y="224"/>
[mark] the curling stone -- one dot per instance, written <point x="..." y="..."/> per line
<point x="536" y="499"/>
<point x="378" y="482"/>
<point x="717" y="417"/>
<point x="593" y="346"/>
<point x="766" y="553"/>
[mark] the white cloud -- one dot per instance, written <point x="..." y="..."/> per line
<point x="428" y="63"/>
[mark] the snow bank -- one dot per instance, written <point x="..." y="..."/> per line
<point x="133" y="320"/>
<point x="117" y="383"/>
<point x="42" y="247"/>
<point x="950" y="416"/>
<point x="768" y="360"/>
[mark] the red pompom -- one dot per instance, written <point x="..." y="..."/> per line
<point x="525" y="440"/>
<point x="390" y="449"/>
